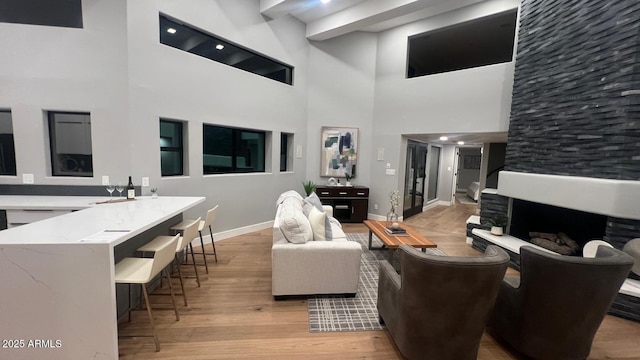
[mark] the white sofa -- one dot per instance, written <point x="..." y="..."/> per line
<point x="311" y="267"/>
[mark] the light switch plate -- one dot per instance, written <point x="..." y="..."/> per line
<point x="380" y="154"/>
<point x="145" y="181"/>
<point x="27" y="178"/>
<point x="105" y="180"/>
<point x="299" y="152"/>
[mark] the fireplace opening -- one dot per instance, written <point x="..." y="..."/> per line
<point x="528" y="217"/>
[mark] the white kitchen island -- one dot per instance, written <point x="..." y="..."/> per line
<point x="57" y="290"/>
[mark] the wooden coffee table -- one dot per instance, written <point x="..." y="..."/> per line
<point x="413" y="238"/>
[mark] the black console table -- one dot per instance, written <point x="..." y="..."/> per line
<point x="350" y="203"/>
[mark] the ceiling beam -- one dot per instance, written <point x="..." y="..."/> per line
<point x="427" y="12"/>
<point x="274" y="8"/>
<point x="361" y="15"/>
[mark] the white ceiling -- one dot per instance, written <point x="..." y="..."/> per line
<point x="339" y="17"/>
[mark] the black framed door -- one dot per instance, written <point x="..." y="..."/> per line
<point x="414" y="179"/>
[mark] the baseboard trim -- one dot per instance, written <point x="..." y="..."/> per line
<point x="376" y="217"/>
<point x="232" y="233"/>
<point x="433" y="204"/>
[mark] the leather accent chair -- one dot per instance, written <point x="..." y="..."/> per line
<point x="438" y="306"/>
<point x="553" y="309"/>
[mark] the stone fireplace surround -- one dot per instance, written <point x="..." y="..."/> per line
<point x="574" y="134"/>
<point x="617" y="201"/>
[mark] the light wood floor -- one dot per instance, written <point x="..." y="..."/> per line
<point x="233" y="315"/>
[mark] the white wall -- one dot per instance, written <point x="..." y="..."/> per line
<point x="341" y="92"/>
<point x="471" y="100"/>
<point x="445" y="177"/>
<point x="54" y="68"/>
<point x="116" y="69"/>
<point x="167" y="82"/>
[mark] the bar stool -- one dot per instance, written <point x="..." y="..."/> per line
<point x="183" y="241"/>
<point x="143" y="270"/>
<point x="209" y="218"/>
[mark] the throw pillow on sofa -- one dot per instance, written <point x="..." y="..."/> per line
<point x="320" y="225"/>
<point x="314" y="200"/>
<point x="296" y="228"/>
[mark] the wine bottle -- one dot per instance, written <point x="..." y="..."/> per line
<point x="131" y="191"/>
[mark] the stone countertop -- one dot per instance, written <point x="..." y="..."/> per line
<point x="110" y="224"/>
<point x="34" y="202"/>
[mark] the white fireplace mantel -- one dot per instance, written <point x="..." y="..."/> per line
<point x="615" y="198"/>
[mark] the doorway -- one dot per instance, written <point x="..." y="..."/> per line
<point x="467" y="175"/>
<point x="414" y="178"/>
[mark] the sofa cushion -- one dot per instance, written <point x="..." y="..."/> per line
<point x="320" y="225"/>
<point x="289" y="194"/>
<point x="294" y="225"/>
<point x="292" y="204"/>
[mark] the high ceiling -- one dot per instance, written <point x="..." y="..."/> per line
<point x="339" y="17"/>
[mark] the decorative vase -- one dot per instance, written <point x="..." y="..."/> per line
<point x="348" y="183"/>
<point x="154" y="195"/>
<point x="496" y="230"/>
<point x="392" y="218"/>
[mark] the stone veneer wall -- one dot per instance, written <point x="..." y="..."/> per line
<point x="493" y="206"/>
<point x="576" y="94"/>
<point x="569" y="116"/>
<point x="576" y="100"/>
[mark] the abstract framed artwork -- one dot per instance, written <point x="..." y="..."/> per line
<point x="472" y="162"/>
<point x="338" y="151"/>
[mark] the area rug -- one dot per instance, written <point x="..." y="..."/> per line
<point x="333" y="313"/>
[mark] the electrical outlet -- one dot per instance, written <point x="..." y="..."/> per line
<point x="375" y="206"/>
<point x="390" y="171"/>
<point x="145" y="181"/>
<point x="105" y="180"/>
<point x="27" y="178"/>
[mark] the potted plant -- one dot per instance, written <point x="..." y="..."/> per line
<point x="497" y="225"/>
<point x="309" y="186"/>
<point x="154" y="193"/>
<point x="349" y="177"/>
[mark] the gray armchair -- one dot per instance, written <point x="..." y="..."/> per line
<point x="438" y="306"/>
<point x="554" y="308"/>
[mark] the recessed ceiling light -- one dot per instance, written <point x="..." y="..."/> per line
<point x="219" y="46"/>
<point x="460" y="142"/>
<point x="444" y="138"/>
<point x="171" y="30"/>
<point x="325" y="1"/>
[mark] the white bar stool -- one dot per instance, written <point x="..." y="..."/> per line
<point x="207" y="222"/>
<point x="189" y="234"/>
<point x="143" y="270"/>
